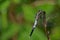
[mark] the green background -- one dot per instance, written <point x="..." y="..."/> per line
<point x="12" y="30"/>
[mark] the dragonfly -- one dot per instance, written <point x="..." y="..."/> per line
<point x="40" y="14"/>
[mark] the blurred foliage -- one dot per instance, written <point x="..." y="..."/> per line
<point x="28" y="12"/>
<point x="9" y="29"/>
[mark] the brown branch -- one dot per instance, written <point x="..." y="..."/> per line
<point x="45" y="26"/>
<point x="11" y="14"/>
<point x="12" y="17"/>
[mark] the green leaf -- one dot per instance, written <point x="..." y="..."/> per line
<point x="4" y="5"/>
<point x="29" y="12"/>
<point x="38" y="35"/>
<point x="4" y="19"/>
<point x="27" y="1"/>
<point x="55" y="35"/>
<point x="17" y="1"/>
<point x="58" y="2"/>
<point x="3" y="9"/>
<point x="14" y="28"/>
<point x="25" y="34"/>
